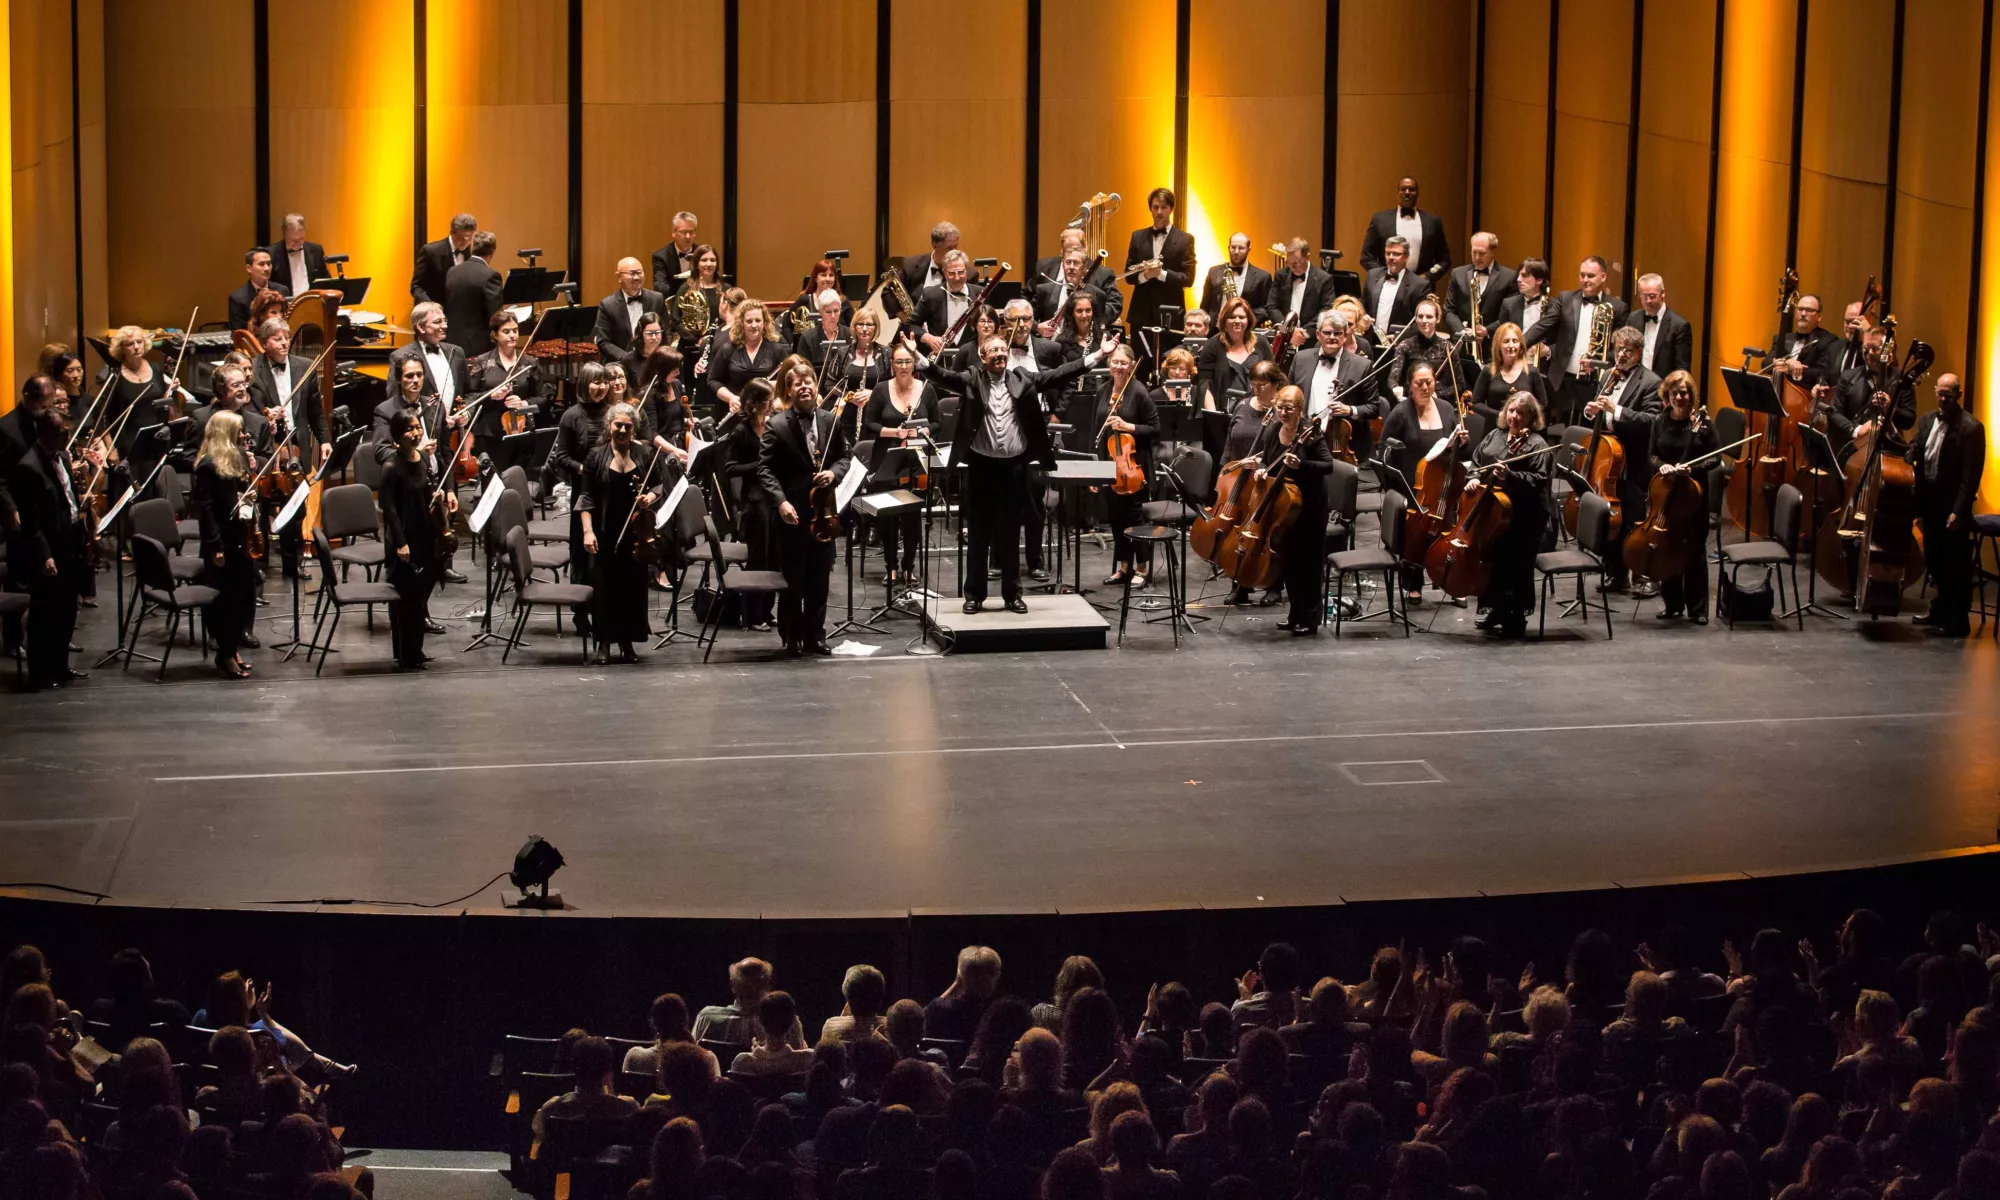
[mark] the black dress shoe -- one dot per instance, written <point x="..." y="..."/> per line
<point x="250" y="640"/>
<point x="1017" y="605"/>
<point x="821" y="649"/>
<point x="1698" y="618"/>
<point x="1926" y="619"/>
<point x="453" y="576"/>
<point x="1667" y="615"/>
<point x="72" y="676"/>
<point x="972" y="606"/>
<point x="1304" y="630"/>
<point x="1492" y="620"/>
<point x="433" y="625"/>
<point x="1038" y="575"/>
<point x="75" y="649"/>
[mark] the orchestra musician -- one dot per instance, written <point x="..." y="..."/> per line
<point x="1854" y="324"/>
<point x="894" y="403"/>
<point x="444" y="364"/>
<point x="1240" y="275"/>
<point x="1565" y="327"/>
<point x="649" y="335"/>
<point x="1506" y="372"/>
<point x="1331" y="376"/>
<point x="148" y="393"/>
<point x="1077" y="328"/>
<point x="986" y="323"/>
<point x="1629" y="396"/>
<point x="1159" y="264"/>
<point x="1843" y="404"/>
<point x="921" y="272"/>
<point x="618" y="313"/>
<point x="58" y="363"/>
<point x="1307" y="464"/>
<point x="283" y="385"/>
<point x="867" y="365"/>
<point x="825" y="278"/>
<point x="472" y="292"/>
<point x="663" y="418"/>
<point x="296" y="263"/>
<point x="741" y="434"/>
<point x="677" y="258"/>
<point x="409" y="537"/>
<point x="1511" y="597"/>
<point x="717" y="349"/>
<point x="939" y="307"/>
<point x="1494" y="283"/>
<point x="1247" y="418"/>
<point x="831" y="327"/>
<point x="1196" y="323"/>
<point x="803" y="449"/>
<point x="705" y="277"/>
<point x="1228" y="358"/>
<point x="1805" y="352"/>
<point x="257" y="265"/>
<point x="1416" y="425"/>
<point x="226" y="513"/>
<point x="514" y="380"/>
<point x="1177" y="379"/>
<point x="1002" y="430"/>
<point x="436" y="259"/>
<point x="1949" y="454"/>
<point x="1128" y="408"/>
<point x="1422" y="232"/>
<point x="622" y="480"/>
<point x="577" y="435"/>
<point x="43" y="517"/>
<point x="231" y="393"/>
<point x="1390" y="293"/>
<point x="1530" y="299"/>
<point x="750" y="355"/>
<point x="1675" y="436"/>
<point x="1073" y="278"/>
<point x="1300" y="290"/>
<point x="1422" y="342"/>
<point x="1096" y="274"/>
<point x="1669" y="339"/>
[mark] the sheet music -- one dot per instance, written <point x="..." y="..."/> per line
<point x="111" y="514"/>
<point x="489" y="502"/>
<point x="665" y="512"/>
<point x="850" y="484"/>
<point x="293" y="507"/>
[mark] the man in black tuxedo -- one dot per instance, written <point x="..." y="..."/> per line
<point x="1629" y="397"/>
<point x="803" y="448"/>
<point x="436" y="259"/>
<point x="1096" y="274"/>
<point x="1806" y="352"/>
<point x="46" y="541"/>
<point x="283" y="382"/>
<point x="1566" y="327"/>
<point x="1669" y="339"/>
<point x="1495" y="283"/>
<point x="1072" y="278"/>
<point x="20" y="428"/>
<point x="1530" y="299"/>
<point x="619" y="313"/>
<point x="1253" y="283"/>
<point x="1423" y="231"/>
<point x="295" y="261"/>
<point x="1170" y="252"/>
<point x="938" y="308"/>
<point x="1390" y="293"/>
<point x="471" y="297"/>
<point x="676" y="258"/>
<point x="1331" y="375"/>
<point x="921" y="271"/>
<point x="257" y="265"/>
<point x="1300" y="288"/>
<point x="1002" y="431"/>
<point x="1949" y="454"/>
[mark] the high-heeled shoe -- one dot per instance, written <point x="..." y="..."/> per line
<point x="626" y="652"/>
<point x="603" y="656"/>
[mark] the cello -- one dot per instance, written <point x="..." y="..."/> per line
<point x="1603" y="467"/>
<point x="1232" y="500"/>
<point x="1458" y="563"/>
<point x="1872" y="545"/>
<point x="1251" y="553"/>
<point x="1439" y="484"/>
<point x="1657" y="547"/>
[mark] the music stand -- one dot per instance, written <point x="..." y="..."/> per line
<point x="530" y="285"/>
<point x="1180" y="423"/>
<point x="294" y="510"/>
<point x="1812" y="604"/>
<point x="352" y="291"/>
<point x="891" y="500"/>
<point x="1755" y="393"/>
<point x="1346" y="283"/>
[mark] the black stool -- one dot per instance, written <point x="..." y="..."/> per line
<point x="1159" y="542"/>
<point x="1986" y="532"/>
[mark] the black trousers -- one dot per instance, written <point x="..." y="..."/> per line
<point x="413" y="583"/>
<point x="1948" y="555"/>
<point x="580" y="569"/>
<point x="901" y="538"/>
<point x="235" y="582"/>
<point x="996" y="492"/>
<point x="1305" y="568"/>
<point x="1124" y="514"/>
<point x="1566" y="406"/>
<point x="51" y="618"/>
<point x="1513" y="587"/>
<point x="1033" y="520"/>
<point x="1688" y="591"/>
<point x="808" y="566"/>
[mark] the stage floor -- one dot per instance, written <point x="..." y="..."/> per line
<point x="1247" y="768"/>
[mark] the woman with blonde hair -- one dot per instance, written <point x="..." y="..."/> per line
<point x="141" y="397"/>
<point x="752" y="353"/>
<point x="227" y="512"/>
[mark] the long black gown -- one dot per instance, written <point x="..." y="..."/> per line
<point x="617" y="575"/>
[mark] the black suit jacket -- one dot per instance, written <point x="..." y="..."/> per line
<point x="785" y="468"/>
<point x="1673" y="346"/>
<point x="613" y="331"/>
<point x="1256" y="288"/>
<point x="932" y="308"/>
<point x="460" y="381"/>
<point x="1820" y="352"/>
<point x="1492" y="297"/>
<point x="434" y="261"/>
<point x="1961" y="462"/>
<point x="281" y="265"/>
<point x="305" y="391"/>
<point x="1514" y="311"/>
<point x="1410" y="289"/>
<point x="1435" y="251"/>
<point x="17" y="435"/>
<point x="1316" y="298"/>
<point x="667" y="269"/>
<point x="1176" y="257"/>
<point x="471" y="297"/>
<point x="1349" y="370"/>
<point x="1022" y="390"/>
<point x="47" y="531"/>
<point x="914" y="271"/>
<point x="1563" y="323"/>
<point x="241" y="299"/>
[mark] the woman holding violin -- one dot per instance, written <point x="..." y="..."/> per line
<point x="1307" y="463"/>
<point x="410" y="537"/>
<point x="577" y="434"/>
<point x="67" y="370"/>
<point x="1509" y="372"/>
<point x="1525" y="481"/>
<point x="622" y="480"/>
<point x="515" y="382"/>
<point x="1419" y="423"/>
<point x="1232" y="354"/>
<point x="894" y="403"/>
<point x="142" y="396"/>
<point x="227" y="512"/>
<point x="1681" y="432"/>
<point x="1131" y="422"/>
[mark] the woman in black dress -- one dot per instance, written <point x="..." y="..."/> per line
<point x="622" y="480"/>
<point x="752" y="354"/>
<point x="706" y="279"/>
<point x="1251" y="427"/>
<point x="648" y="336"/>
<point x="227" y="512"/>
<point x="1232" y="354"/>
<point x="1509" y="372"/>
<point x="1510" y="599"/>
<point x="1421" y="343"/>
<point x="894" y="403"/>
<point x="1307" y="463"/>
<point x="1682" y="431"/>
<point x="741" y="435"/>
<point x="577" y="434"/>
<point x="825" y="278"/>
<point x="409" y="537"/>
<point x="142" y="396"/>
<point x="985" y="324"/>
<point x="1419" y="422"/>
<point x="867" y="366"/>
<point x="1077" y="333"/>
<point x="515" y="381"/>
<point x="1128" y="408"/>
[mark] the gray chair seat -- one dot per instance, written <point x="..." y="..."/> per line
<point x="1565" y="562"/>
<point x="1368" y="558"/>
<point x="547" y="557"/>
<point x="738" y="580"/>
<point x="13" y="602"/>
<point x="359" y="554"/>
<point x="556" y="593"/>
<point x="190" y="530"/>
<point x="735" y="552"/>
<point x="1752" y="554"/>
<point x="550" y="529"/>
<point x="365" y="592"/>
<point x="193" y="595"/>
<point x="1986" y="525"/>
<point x="186" y="567"/>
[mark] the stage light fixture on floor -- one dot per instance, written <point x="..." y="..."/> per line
<point x="533" y="865"/>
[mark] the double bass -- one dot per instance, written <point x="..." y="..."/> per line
<point x="1872" y="545"/>
<point x="1752" y="491"/>
<point x="1251" y="554"/>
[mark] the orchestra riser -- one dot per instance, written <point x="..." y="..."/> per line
<point x="1061" y="622"/>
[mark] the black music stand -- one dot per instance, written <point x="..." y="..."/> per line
<point x="890" y="500"/>
<point x="1071" y="477"/>
<point x="1812" y="606"/>
<point x="566" y="323"/>
<point x="1180" y="423"/>
<point x="352" y="291"/>
<point x="1756" y="393"/>
<point x="336" y="462"/>
<point x="530" y="285"/>
<point x="850" y="625"/>
<point x="121" y="522"/>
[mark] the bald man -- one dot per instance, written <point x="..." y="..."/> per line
<point x="619" y="312"/>
<point x="1949" y="453"/>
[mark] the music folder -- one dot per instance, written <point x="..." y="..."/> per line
<point x="352" y="291"/>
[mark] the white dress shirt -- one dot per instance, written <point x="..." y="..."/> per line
<point x="1933" y="447"/>
<point x="1326" y="375"/>
<point x="1651" y="325"/>
<point x="1385" y="303"/>
<point x="440" y="368"/>
<point x="634" y="309"/>
<point x="955" y="304"/>
<point x="1411" y="229"/>
<point x="1586" y="309"/>
<point x="1531" y="312"/>
<point x="1298" y="297"/>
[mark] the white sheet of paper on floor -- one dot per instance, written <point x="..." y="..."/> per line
<point x="290" y="512"/>
<point x="849" y="648"/>
<point x="489" y="501"/>
<point x="665" y="512"/>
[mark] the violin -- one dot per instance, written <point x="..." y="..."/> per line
<point x="1251" y="553"/>
<point x="246" y="511"/>
<point x="1129" y="478"/>
<point x="825" y="510"/>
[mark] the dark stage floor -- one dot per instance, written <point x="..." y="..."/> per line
<point x="1246" y="768"/>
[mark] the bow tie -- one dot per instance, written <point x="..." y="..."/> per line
<point x="1652" y="317"/>
<point x="1392" y="277"/>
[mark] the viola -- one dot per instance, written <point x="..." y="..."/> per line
<point x="825" y="518"/>
<point x="1128" y="478"/>
<point x="1252" y="554"/>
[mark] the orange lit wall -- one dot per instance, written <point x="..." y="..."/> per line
<point x="1516" y="139"/>
<point x="1754" y="188"/>
<point x="1404" y="113"/>
<point x="1670" y="225"/>
<point x="1593" y="122"/>
<point x="1986" y="380"/>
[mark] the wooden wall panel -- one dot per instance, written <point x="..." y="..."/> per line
<point x="1844" y="153"/>
<point x="177" y="76"/>
<point x="1107" y="113"/>
<point x="1514" y="146"/>
<point x="498" y="123"/>
<point x="1670" y="229"/>
<point x="1754" y="187"/>
<point x="90" y="67"/>
<point x="343" y="139"/>
<point x="806" y="138"/>
<point x="661" y="128"/>
<point x="1934" y="180"/>
<point x="958" y="121"/>
<point x="1593" y="124"/>
<point x="1398" y="120"/>
<point x="1983" y="357"/>
<point x="1274" y="118"/>
<point x="44" y="193"/>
